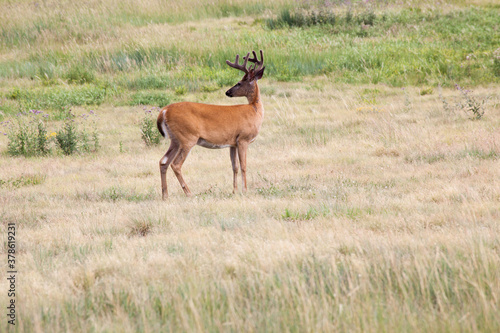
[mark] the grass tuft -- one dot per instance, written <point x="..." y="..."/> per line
<point x="140" y="228"/>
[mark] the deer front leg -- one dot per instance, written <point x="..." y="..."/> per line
<point x="242" y="153"/>
<point x="234" y="162"/>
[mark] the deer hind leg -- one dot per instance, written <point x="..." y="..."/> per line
<point x="242" y="154"/>
<point x="177" y="165"/>
<point x="234" y="162"/>
<point x="170" y="155"/>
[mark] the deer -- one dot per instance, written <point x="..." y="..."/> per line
<point x="188" y="124"/>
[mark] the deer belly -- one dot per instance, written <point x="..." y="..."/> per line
<point x="206" y="144"/>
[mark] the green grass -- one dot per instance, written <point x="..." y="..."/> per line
<point x="406" y="46"/>
<point x="153" y="98"/>
<point x="58" y="97"/>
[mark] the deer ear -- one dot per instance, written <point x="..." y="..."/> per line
<point x="260" y="73"/>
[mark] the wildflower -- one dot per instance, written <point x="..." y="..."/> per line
<point x="53" y="134"/>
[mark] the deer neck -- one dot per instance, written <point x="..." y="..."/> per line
<point x="255" y="101"/>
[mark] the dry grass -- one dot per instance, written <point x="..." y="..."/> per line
<point x="369" y="209"/>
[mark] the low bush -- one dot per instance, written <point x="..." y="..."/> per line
<point x="149" y="131"/>
<point x="472" y="105"/>
<point x="28" y="135"/>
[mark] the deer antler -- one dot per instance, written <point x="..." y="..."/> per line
<point x="258" y="64"/>
<point x="240" y="67"/>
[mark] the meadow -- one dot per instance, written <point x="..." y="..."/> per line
<point x="374" y="184"/>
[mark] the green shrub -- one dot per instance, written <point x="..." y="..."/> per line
<point x="67" y="138"/>
<point x="149" y="131"/>
<point x="471" y="104"/>
<point x="71" y="139"/>
<point x="27" y="134"/>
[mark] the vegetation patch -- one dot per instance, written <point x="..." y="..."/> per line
<point x="149" y="128"/>
<point x="28" y="135"/>
<point x="59" y="98"/>
<point x="23" y="180"/>
<point x="310" y="214"/>
<point x="399" y="47"/>
<point x="141" y="227"/>
<point x="117" y="193"/>
<point x="478" y="153"/>
<point x="429" y="158"/>
<point x="78" y="74"/>
<point x="320" y="17"/>
<point x="151" y="98"/>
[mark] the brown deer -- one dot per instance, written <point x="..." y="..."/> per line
<point x="214" y="126"/>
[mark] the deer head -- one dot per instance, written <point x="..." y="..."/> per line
<point x="247" y="86"/>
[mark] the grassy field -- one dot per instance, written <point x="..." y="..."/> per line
<point x="374" y="184"/>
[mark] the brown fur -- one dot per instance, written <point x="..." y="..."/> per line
<point x="213" y="126"/>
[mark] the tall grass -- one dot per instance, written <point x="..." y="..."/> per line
<point x="396" y="47"/>
<point x="441" y="289"/>
<point x="90" y="20"/>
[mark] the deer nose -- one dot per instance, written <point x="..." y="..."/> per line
<point x="229" y="93"/>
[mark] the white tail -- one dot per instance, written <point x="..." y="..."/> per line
<point x="214" y="126"/>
